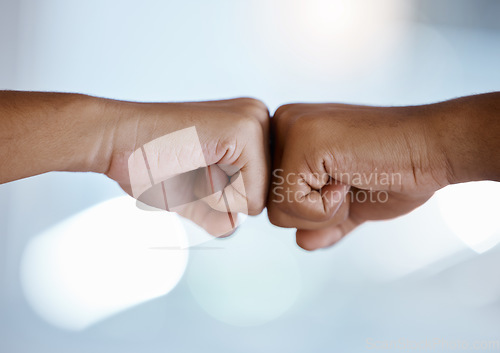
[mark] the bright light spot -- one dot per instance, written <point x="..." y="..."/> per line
<point x="471" y="210"/>
<point x="338" y="35"/>
<point x="251" y="279"/>
<point x="102" y="261"/>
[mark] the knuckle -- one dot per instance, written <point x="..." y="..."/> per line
<point x="251" y="112"/>
<point x="288" y="207"/>
<point x="256" y="207"/>
<point x="285" y="109"/>
<point x="252" y="106"/>
<point x="284" y="117"/>
<point x="275" y="218"/>
<point x="309" y="125"/>
<point x="316" y="215"/>
<point x="300" y="126"/>
<point x="250" y="101"/>
<point x="275" y="221"/>
<point x="247" y="124"/>
<point x="257" y="198"/>
<point x="257" y="103"/>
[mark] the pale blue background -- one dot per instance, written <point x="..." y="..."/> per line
<point x="410" y="278"/>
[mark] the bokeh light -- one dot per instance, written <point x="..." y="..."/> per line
<point x="248" y="279"/>
<point x="102" y="261"/>
<point x="471" y="212"/>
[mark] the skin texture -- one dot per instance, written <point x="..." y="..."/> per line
<point x="337" y="166"/>
<point x="234" y="137"/>
<point x="42" y="132"/>
<point x="329" y="160"/>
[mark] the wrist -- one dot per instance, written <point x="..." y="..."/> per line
<point x="96" y="126"/>
<point x="129" y="126"/>
<point x="428" y="163"/>
<point x="467" y="130"/>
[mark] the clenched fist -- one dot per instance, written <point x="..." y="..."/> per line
<point x="337" y="166"/>
<point x="206" y="161"/>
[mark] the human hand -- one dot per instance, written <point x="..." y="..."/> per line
<point x="181" y="139"/>
<point x="387" y="161"/>
<point x="337" y="166"/>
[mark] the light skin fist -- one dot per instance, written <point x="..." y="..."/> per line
<point x="232" y="138"/>
<point x="48" y="131"/>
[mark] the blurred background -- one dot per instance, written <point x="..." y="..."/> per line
<point x="83" y="270"/>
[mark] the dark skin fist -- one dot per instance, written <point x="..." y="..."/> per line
<point x="337" y="166"/>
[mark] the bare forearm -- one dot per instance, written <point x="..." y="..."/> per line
<point x="42" y="132"/>
<point x="469" y="131"/>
